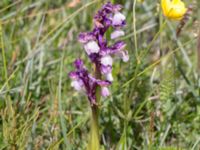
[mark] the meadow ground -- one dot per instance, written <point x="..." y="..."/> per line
<point x="155" y="100"/>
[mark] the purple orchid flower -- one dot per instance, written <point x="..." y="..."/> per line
<point x="99" y="52"/>
<point x="83" y="81"/>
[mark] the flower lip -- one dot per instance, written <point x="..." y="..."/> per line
<point x="117" y="33"/>
<point x="105" y="92"/>
<point x="118" y="19"/>
<point x="91" y="47"/>
<point x="107" y="60"/>
<point x="109" y="77"/>
<point x="77" y="85"/>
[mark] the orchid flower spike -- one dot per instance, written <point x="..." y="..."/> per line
<point x="99" y="52"/>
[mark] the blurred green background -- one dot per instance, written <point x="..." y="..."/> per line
<point x="155" y="101"/>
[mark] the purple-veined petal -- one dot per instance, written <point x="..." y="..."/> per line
<point x="85" y="37"/>
<point x="117" y="7"/>
<point x="117" y="33"/>
<point x="120" y="45"/>
<point x="105" y="52"/>
<point x="103" y="83"/>
<point x="108" y="7"/>
<point x="99" y="82"/>
<point x="91" y="47"/>
<point x="105" y="92"/>
<point x="123" y="55"/>
<point x="106" y="69"/>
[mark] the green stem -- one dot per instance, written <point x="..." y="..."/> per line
<point x="134" y="30"/>
<point x="94" y="135"/>
<point x="198" y="57"/>
<point x="94" y="143"/>
<point x="198" y="44"/>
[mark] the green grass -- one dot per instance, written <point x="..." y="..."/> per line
<point x="155" y="101"/>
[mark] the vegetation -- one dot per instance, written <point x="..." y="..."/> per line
<point x="155" y="97"/>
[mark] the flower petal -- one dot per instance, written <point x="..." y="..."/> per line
<point x="106" y="69"/>
<point x="120" y="45"/>
<point x="118" y="19"/>
<point x="106" y="60"/>
<point x="78" y="64"/>
<point x="73" y="75"/>
<point x="103" y="83"/>
<point x="109" y="77"/>
<point x="124" y="56"/>
<point x="117" y="33"/>
<point x="86" y="37"/>
<point x="91" y="47"/>
<point x="105" y="92"/>
<point x="77" y="85"/>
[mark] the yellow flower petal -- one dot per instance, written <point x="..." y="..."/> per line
<point x="173" y="9"/>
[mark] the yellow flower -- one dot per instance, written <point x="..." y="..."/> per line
<point x="173" y="9"/>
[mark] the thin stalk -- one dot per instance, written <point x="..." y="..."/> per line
<point x="134" y="29"/>
<point x="198" y="57"/>
<point x="161" y="42"/>
<point x="126" y="102"/>
<point x="198" y="45"/>
<point x="198" y="50"/>
<point x="94" y="143"/>
<point x="198" y="53"/>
